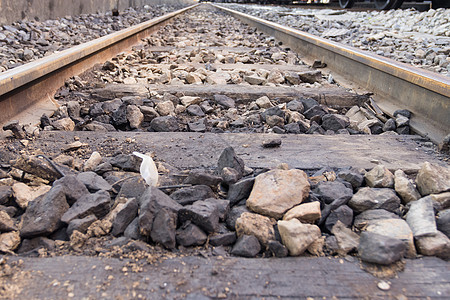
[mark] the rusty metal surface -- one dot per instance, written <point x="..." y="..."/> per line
<point x="395" y="85"/>
<point x="23" y="87"/>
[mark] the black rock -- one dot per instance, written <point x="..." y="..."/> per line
<point x="222" y="239"/>
<point x="329" y="191"/>
<point x="202" y="177"/>
<point x="246" y="246"/>
<point x="315" y="129"/>
<point x="149" y="205"/>
<point x="403" y="112"/>
<point x="60" y="234"/>
<point x="233" y="215"/>
<point x="103" y="168"/>
<point x="201" y="213"/>
<point x="195" y="110"/>
<point x="224" y="101"/>
<point x="277" y="249"/>
<point x="197" y="126"/>
<point x="97" y="204"/>
<point x="163" y="229"/>
<point x="403" y="130"/>
<point x="228" y="158"/>
<point x="316" y="110"/>
<point x="126" y="162"/>
<point x="189" y="195"/>
<point x="35" y="244"/>
<point x="389" y="125"/>
<point x="96" y="110"/>
<point x="73" y="188"/>
<point x="190" y="235"/>
<point x="308" y="103"/>
<point x="133" y="231"/>
<point x="295" y="105"/>
<point x="16" y="129"/>
<point x="80" y="225"/>
<point x="45" y="121"/>
<point x="94" y="182"/>
<point x="380" y="249"/>
<point x="273" y="111"/>
<point x="272" y="143"/>
<point x="355" y="178"/>
<point x="343" y="213"/>
<point x="132" y="188"/>
<point x="119" y="116"/>
<point x="43" y="214"/>
<point x="374" y="198"/>
<point x="125" y="216"/>
<point x="240" y="190"/>
<point x="334" y="122"/>
<point x="164" y="124"/>
<point x="222" y="205"/>
<point x="443" y="222"/>
<point x="293" y="128"/>
<point x="5" y="194"/>
<point x="278" y="130"/>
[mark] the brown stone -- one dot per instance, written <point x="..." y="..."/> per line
<point x="253" y="224"/>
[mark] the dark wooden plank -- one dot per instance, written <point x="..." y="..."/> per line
<point x="308" y="152"/>
<point x="235" y="278"/>
<point x="330" y="96"/>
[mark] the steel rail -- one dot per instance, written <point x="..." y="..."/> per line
<point x="395" y="85"/>
<point x="28" y="90"/>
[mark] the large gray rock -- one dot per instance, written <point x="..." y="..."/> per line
<point x="73" y="188"/>
<point x="190" y="235"/>
<point x="246" y="246"/>
<point x="132" y="188"/>
<point x="437" y="244"/>
<point x="97" y="204"/>
<point x="94" y="182"/>
<point x="189" y="195"/>
<point x="256" y="225"/>
<point x="43" y="215"/>
<point x="126" y="162"/>
<point x="334" y="122"/>
<point x="394" y="228"/>
<point x="380" y="249"/>
<point x="404" y="187"/>
<point x="124" y="216"/>
<point x="224" y="101"/>
<point x="379" y="177"/>
<point x="277" y="191"/>
<point x="240" y="190"/>
<point x="202" y="177"/>
<point x="5" y="194"/>
<point x="332" y="190"/>
<point x="163" y="229"/>
<point x="297" y="236"/>
<point x="223" y="206"/>
<point x="164" y="124"/>
<point x="433" y="179"/>
<point x="201" y="213"/>
<point x="420" y="217"/>
<point x="149" y="205"/>
<point x="374" y="198"/>
<point x="364" y="218"/>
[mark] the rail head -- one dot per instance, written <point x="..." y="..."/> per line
<point x="394" y="84"/>
<point x="22" y="75"/>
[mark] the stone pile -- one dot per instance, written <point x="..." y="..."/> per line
<point x="418" y="38"/>
<point x="379" y="215"/>
<point x="28" y="40"/>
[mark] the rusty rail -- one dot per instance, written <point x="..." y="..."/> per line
<point x="395" y="85"/>
<point x="27" y="91"/>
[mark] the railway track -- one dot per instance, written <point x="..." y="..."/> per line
<point x="185" y="87"/>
